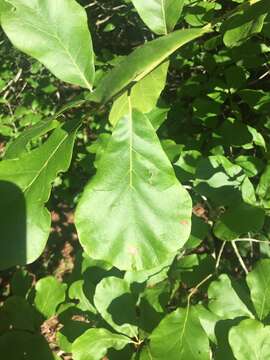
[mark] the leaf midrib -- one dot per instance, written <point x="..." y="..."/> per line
<point x="26" y="189"/>
<point x="58" y="39"/>
<point x="164" y="16"/>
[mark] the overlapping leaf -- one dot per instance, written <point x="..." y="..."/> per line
<point x="250" y="340"/>
<point x="142" y="61"/>
<point x="244" y="23"/>
<point x="117" y="305"/>
<point x="179" y="336"/>
<point x="144" y="95"/>
<point x="25" y="185"/>
<point x="94" y="344"/>
<point x="159" y="15"/>
<point x="259" y="284"/>
<point x="224" y="301"/>
<point x="16" y="148"/>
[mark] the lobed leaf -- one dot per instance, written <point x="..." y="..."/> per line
<point x="134" y="213"/>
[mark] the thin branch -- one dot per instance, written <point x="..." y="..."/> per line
<point x="220" y="254"/>
<point x="237" y="253"/>
<point x="252" y="240"/>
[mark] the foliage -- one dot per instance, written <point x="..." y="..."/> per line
<point x="157" y="132"/>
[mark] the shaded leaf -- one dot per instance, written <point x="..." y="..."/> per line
<point x="142" y="61"/>
<point x="16" y="148"/>
<point x="248" y="21"/>
<point x="25" y="185"/>
<point x="16" y="345"/>
<point x="117" y="305"/>
<point x="239" y="220"/>
<point x="77" y="291"/>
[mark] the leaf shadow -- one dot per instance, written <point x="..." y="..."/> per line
<point x="13" y="231"/>
<point x="223" y="349"/>
<point x="123" y="310"/>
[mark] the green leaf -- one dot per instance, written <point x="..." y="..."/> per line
<point x="56" y="34"/>
<point x="263" y="188"/>
<point x="142" y="61"/>
<point x="251" y="165"/>
<point x="258" y="100"/>
<point x="208" y="321"/>
<point x="239" y="220"/>
<point x="159" y="15"/>
<point x="94" y="344"/>
<point x="117" y="305"/>
<point x="224" y="301"/>
<point x="143" y="190"/>
<point x="244" y="23"/>
<point x="157" y="116"/>
<point x="199" y="231"/>
<point x="179" y="336"/>
<point x="21" y="315"/>
<point x="151" y="276"/>
<point x="16" y="345"/>
<point x="250" y="340"/>
<point x="25" y="185"/>
<point x="3" y="8"/>
<point x="49" y="294"/>
<point x="144" y="94"/>
<point x="74" y="323"/>
<point x="21" y="283"/>
<point x="152" y="307"/>
<point x="17" y="147"/>
<point x="77" y="291"/>
<point x="259" y="284"/>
